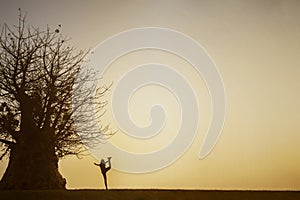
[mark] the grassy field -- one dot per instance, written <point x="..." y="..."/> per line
<point x="147" y="195"/>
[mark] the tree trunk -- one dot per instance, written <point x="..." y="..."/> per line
<point x="28" y="169"/>
<point x="32" y="160"/>
<point x="32" y="165"/>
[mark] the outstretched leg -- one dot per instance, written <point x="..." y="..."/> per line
<point x="109" y="163"/>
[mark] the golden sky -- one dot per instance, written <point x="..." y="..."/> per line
<point x="256" y="46"/>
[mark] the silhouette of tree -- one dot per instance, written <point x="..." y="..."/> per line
<point x="38" y="71"/>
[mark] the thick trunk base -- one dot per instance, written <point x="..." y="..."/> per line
<point x="32" y="170"/>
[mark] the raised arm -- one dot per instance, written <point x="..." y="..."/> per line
<point x="96" y="164"/>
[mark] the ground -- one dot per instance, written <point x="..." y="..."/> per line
<point x="147" y="194"/>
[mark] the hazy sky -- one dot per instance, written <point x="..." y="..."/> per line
<point x="256" y="46"/>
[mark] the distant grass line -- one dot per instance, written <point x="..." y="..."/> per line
<point x="146" y="194"/>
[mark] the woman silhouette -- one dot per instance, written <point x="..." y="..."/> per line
<point x="104" y="169"/>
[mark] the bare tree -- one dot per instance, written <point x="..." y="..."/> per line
<point x="41" y="84"/>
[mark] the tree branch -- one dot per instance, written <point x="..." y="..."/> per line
<point x="10" y="143"/>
